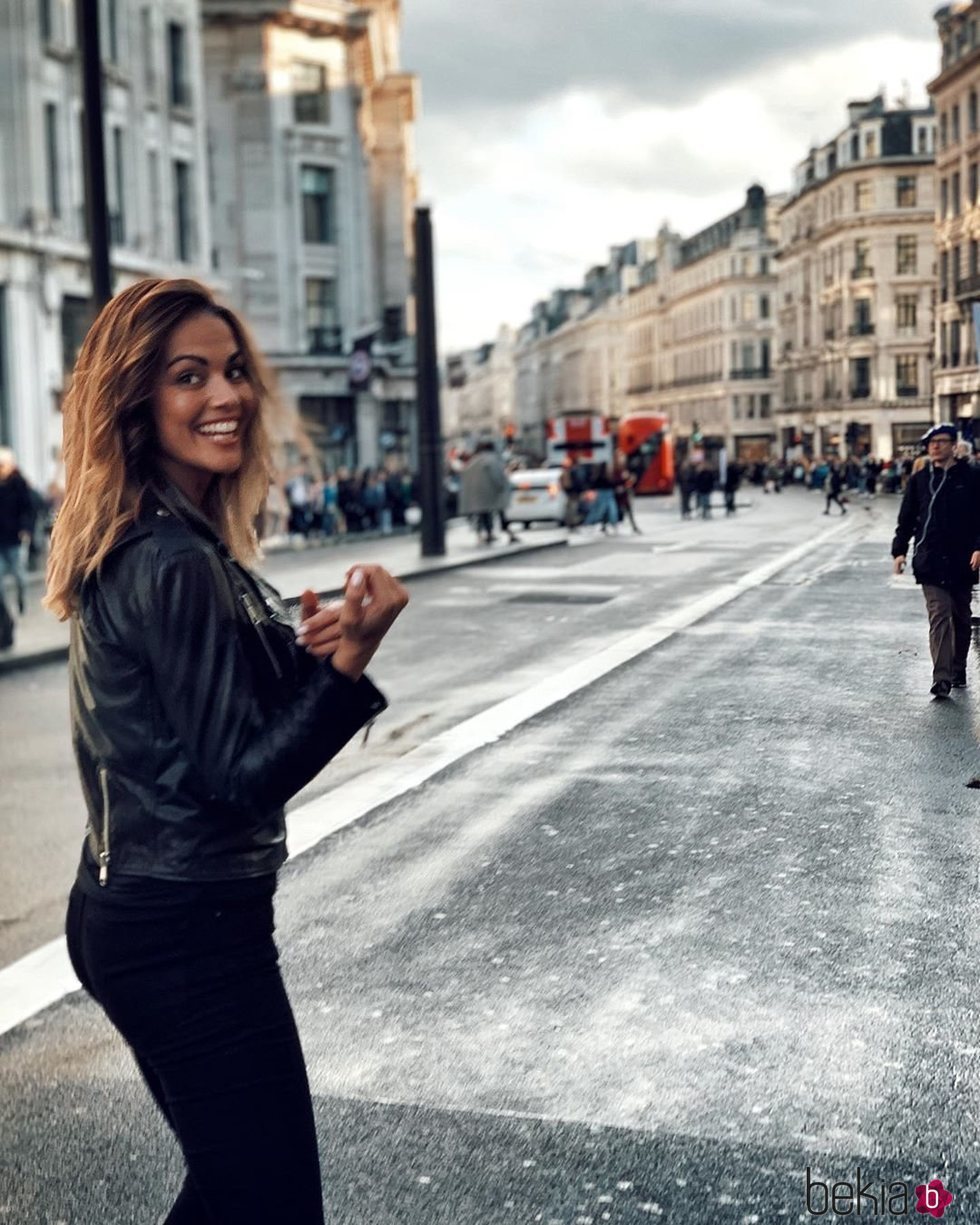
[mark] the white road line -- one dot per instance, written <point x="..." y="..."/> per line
<point x="45" y="976"/>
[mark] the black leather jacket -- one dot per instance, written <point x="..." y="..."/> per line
<point x="195" y="717"/>
<point x="941" y="510"/>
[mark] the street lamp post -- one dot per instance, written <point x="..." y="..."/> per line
<point x="427" y="393"/>
<point x="93" y="150"/>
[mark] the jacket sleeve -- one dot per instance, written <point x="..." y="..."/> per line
<point x="908" y="514"/>
<point x="204" y="683"/>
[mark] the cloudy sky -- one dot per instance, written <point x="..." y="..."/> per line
<point x="554" y="129"/>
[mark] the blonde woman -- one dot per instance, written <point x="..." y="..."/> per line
<point x="197" y="713"/>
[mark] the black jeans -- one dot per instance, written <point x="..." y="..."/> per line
<point x="195" y="990"/>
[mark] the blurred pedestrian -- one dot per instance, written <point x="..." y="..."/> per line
<point x="623" y="484"/>
<point x="197" y="713"/>
<point x="298" y="496"/>
<point x="733" y="478"/>
<point x="484" y="492"/>
<point x="685" y="488"/>
<point x="941" y="512"/>
<point x="603" y="512"/>
<point x="833" y="487"/>
<point x="17" y="513"/>
<point x="704" y="483"/>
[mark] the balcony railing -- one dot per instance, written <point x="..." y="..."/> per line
<point x="861" y="329"/>
<point x="859" y="393"/>
<point x="693" y="380"/>
<point x="907" y="390"/>
<point x="969" y="286"/>
<point x="752" y="372"/>
<point x="862" y="272"/>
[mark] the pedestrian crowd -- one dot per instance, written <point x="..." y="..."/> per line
<point x="308" y="508"/>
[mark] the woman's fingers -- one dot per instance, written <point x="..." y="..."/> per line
<point x="324" y="619"/>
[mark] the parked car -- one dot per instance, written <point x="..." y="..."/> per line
<point x="537" y="497"/>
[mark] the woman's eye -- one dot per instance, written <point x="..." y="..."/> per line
<point x="187" y="376"/>
<point x="236" y="372"/>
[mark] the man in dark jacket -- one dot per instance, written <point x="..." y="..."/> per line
<point x="16" y="526"/>
<point x="941" y="510"/>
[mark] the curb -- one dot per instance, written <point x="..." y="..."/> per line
<point x="47" y="655"/>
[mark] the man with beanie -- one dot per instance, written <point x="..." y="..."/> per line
<point x="941" y="511"/>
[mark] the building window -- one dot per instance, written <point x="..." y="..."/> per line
<point x="311" y="97"/>
<point x="906" y="253"/>
<point x="943" y="276"/>
<point x="955" y="124"/>
<point x="954" y="192"/>
<point x="765" y="404"/>
<point x="147" y="50"/>
<point x="44" y="20"/>
<point x="111" y="33"/>
<point x="183" y="213"/>
<point x="393" y="327"/>
<point x="180" y="92"/>
<point x="972" y="184"/>
<point x="863" y="195"/>
<point x="974" y="258"/>
<point x="905" y="191"/>
<point x="862" y="257"/>
<point x="954" y="342"/>
<point x="862" y="325"/>
<point x="117" y="216"/>
<point x="51" y="158"/>
<point x="322" y="323"/>
<point x="156" y="225"/>
<point x="763" y="306"/>
<point x="907" y="374"/>
<point x="906" y="307"/>
<point x="943" y="199"/>
<point x="955" y="272"/>
<point x="317" y="187"/>
<point x="922" y="140"/>
<point x="860" y="379"/>
<point x="870" y="145"/>
<point x="943" y="130"/>
<point x="971" y="112"/>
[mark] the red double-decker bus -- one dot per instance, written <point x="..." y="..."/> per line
<point x="644" y="438"/>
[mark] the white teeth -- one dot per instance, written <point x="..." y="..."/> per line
<point x="219" y="427"/>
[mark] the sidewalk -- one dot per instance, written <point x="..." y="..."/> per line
<point x="41" y="638"/>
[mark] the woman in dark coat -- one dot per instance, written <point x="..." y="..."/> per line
<point x="197" y="712"/>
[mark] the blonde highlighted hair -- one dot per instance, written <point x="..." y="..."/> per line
<point x="110" y="445"/>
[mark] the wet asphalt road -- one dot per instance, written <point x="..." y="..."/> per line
<point x="648" y="957"/>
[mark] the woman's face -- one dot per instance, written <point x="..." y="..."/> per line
<point x="202" y="405"/>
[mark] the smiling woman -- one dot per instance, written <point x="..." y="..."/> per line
<point x="197" y="712"/>
<point x="203" y="406"/>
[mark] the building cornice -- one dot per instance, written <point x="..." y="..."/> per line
<point x="859" y="167"/>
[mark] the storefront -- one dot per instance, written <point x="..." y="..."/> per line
<point x="753" y="448"/>
<point x="907" y="439"/>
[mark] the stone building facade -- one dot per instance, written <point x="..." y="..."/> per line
<point x="955" y="93"/>
<point x="313" y="183"/>
<point x="699" y="332"/>
<point x="856" y="285"/>
<point x="157" y="190"/>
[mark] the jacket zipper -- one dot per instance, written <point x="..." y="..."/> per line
<point x="104" y="855"/>
<point x="256" y="617"/>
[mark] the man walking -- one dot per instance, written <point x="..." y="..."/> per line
<point x="16" y="527"/>
<point x="941" y="510"/>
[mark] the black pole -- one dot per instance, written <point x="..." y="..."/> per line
<point x="427" y="393"/>
<point x="93" y="150"/>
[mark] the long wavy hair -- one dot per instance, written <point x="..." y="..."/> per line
<point x="110" y="444"/>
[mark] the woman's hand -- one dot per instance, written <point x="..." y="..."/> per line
<point x="349" y="631"/>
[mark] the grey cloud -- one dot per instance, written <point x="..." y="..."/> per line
<point x="498" y="54"/>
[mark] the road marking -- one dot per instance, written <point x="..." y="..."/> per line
<point x="45" y="976"/>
